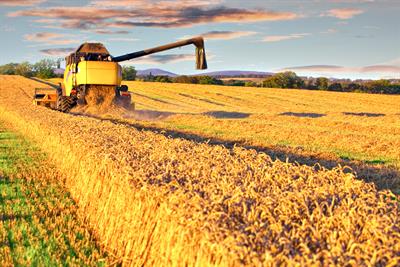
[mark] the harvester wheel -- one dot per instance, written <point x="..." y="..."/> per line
<point x="64" y="103"/>
<point x="125" y="101"/>
<point x="123" y="97"/>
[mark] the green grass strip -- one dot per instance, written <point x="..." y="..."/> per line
<point x="39" y="225"/>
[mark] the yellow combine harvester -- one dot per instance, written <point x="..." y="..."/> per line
<point x="93" y="76"/>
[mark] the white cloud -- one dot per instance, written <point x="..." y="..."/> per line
<point x="330" y="31"/>
<point x="162" y="59"/>
<point x="21" y="2"/>
<point x="49" y="38"/>
<point x="222" y="35"/>
<point x="278" y="38"/>
<point x="226" y="35"/>
<point x="343" y="13"/>
<point x="57" y="52"/>
<point x="333" y="69"/>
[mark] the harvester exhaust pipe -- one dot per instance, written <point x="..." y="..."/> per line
<point x="201" y="62"/>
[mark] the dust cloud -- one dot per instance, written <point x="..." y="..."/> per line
<point x="102" y="102"/>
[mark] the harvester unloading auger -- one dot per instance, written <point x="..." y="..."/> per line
<point x="93" y="76"/>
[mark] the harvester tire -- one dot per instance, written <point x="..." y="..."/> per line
<point x="64" y="103"/>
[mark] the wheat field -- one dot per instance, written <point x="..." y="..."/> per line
<point x="348" y="125"/>
<point x="309" y="127"/>
<point x="156" y="200"/>
<point x="369" y="123"/>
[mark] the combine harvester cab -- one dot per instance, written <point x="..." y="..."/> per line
<point x="93" y="77"/>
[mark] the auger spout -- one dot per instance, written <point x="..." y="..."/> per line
<point x="201" y="62"/>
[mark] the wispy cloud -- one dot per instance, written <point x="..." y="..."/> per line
<point x="353" y="1"/>
<point x="364" y="36"/>
<point x="330" y="31"/>
<point x="122" y="39"/>
<point x="226" y="35"/>
<point x="6" y="28"/>
<point x="395" y="61"/>
<point x="162" y="59"/>
<point x="50" y="38"/>
<point x="316" y="68"/>
<point x="101" y="15"/>
<point x="343" y="13"/>
<point x="20" y="2"/>
<point x="110" y="32"/>
<point x="278" y="38"/>
<point x="57" y="52"/>
<point x="152" y="3"/>
<point x="42" y="36"/>
<point x="381" y="68"/>
<point x="222" y="35"/>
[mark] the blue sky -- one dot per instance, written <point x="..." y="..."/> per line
<point x="334" y="38"/>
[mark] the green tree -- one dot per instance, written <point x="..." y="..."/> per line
<point x="234" y="83"/>
<point x="322" y="83"/>
<point x="250" y="84"/>
<point x="379" y="86"/>
<point x="210" y="80"/>
<point x="8" y="69"/>
<point x="186" y="79"/>
<point x="353" y="87"/>
<point x="24" y="69"/>
<point x="286" y="79"/>
<point x="162" y="79"/>
<point x="128" y="73"/>
<point x="335" y="87"/>
<point x="44" y="68"/>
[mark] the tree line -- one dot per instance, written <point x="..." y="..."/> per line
<point x="183" y="79"/>
<point x="291" y="80"/>
<point x="45" y="69"/>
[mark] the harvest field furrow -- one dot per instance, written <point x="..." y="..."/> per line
<point x="267" y="117"/>
<point x="363" y="128"/>
<point x="359" y="130"/>
<point x="309" y="127"/>
<point x="39" y="223"/>
<point x="158" y="201"/>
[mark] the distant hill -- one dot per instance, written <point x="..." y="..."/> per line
<point x="218" y="74"/>
<point x="58" y="71"/>
<point x="236" y="73"/>
<point x="155" y="72"/>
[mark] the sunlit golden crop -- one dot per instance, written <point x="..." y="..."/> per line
<point x="160" y="201"/>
